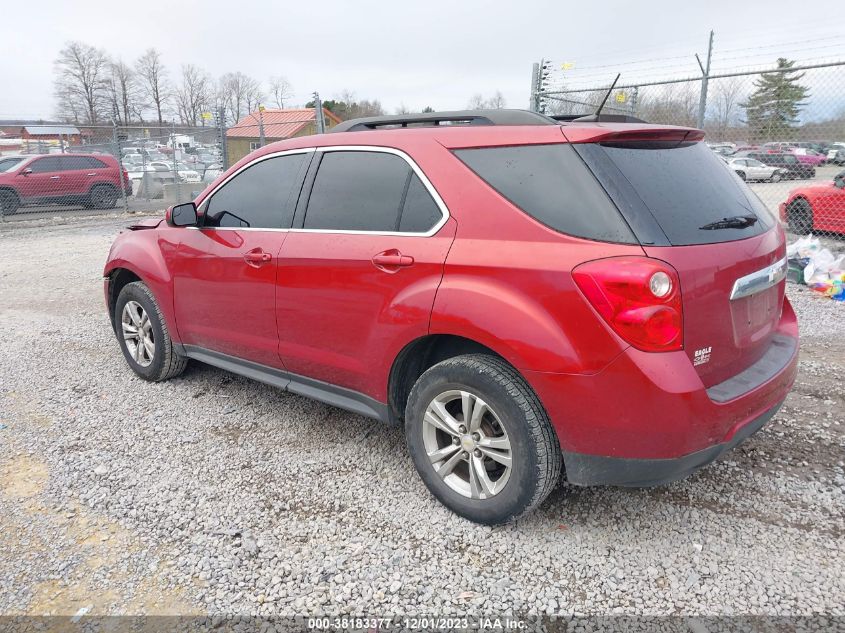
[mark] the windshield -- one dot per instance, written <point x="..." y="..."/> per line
<point x="8" y="163"/>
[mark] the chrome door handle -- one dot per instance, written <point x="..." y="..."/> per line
<point x="54" y="177"/>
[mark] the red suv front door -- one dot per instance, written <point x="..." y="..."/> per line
<point x="225" y="271"/>
<point x="40" y="178"/>
<point x="357" y="280"/>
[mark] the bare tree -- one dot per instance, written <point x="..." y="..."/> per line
<point x="152" y="77"/>
<point x="80" y="84"/>
<point x="478" y="102"/>
<point x="403" y="109"/>
<point x="497" y="101"/>
<point x="727" y="97"/>
<point x="193" y="95"/>
<point x="123" y="91"/>
<point x="238" y="93"/>
<point x="281" y="90"/>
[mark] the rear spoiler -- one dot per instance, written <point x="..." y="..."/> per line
<point x="655" y="134"/>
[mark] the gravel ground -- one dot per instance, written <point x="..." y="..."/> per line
<point x="215" y="494"/>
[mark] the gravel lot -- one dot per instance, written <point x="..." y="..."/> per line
<point x="214" y="494"/>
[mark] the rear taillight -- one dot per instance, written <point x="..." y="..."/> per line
<point x="640" y="298"/>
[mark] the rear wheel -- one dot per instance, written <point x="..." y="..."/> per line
<point x="741" y="174"/>
<point x="9" y="202"/>
<point x="102" y="197"/>
<point x="143" y="335"/>
<point x="481" y="440"/>
<point x="775" y="177"/>
<point x="799" y="215"/>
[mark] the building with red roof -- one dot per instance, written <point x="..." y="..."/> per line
<point x="244" y="136"/>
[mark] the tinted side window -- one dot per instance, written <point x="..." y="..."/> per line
<point x="95" y="163"/>
<point x="259" y="196"/>
<point x="420" y="213"/>
<point x="551" y="184"/>
<point x="70" y="163"/>
<point x="44" y="165"/>
<point x="357" y="191"/>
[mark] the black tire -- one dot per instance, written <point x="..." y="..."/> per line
<point x="775" y="177"/>
<point x="166" y="363"/>
<point x="102" y="197"/>
<point x="9" y="202"/>
<point x="799" y="215"/>
<point x="534" y="447"/>
<point x="741" y="174"/>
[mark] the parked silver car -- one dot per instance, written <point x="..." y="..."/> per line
<point x="751" y="169"/>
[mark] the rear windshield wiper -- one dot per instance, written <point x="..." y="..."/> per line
<point x="735" y="222"/>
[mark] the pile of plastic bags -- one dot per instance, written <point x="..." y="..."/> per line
<point x="817" y="267"/>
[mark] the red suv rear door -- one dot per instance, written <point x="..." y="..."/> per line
<point x="358" y="276"/>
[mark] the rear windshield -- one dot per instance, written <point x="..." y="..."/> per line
<point x="551" y="184"/>
<point x="685" y="187"/>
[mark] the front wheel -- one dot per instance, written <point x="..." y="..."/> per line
<point x="741" y="174"/>
<point x="143" y="335"/>
<point x="480" y="439"/>
<point x="775" y="177"/>
<point x="799" y="215"/>
<point x="9" y="203"/>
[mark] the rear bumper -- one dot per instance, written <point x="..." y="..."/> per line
<point x="648" y="418"/>
<point x="596" y="470"/>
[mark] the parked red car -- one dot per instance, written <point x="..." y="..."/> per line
<point x="816" y="207"/>
<point x="808" y="156"/>
<point x="93" y="180"/>
<point x="523" y="296"/>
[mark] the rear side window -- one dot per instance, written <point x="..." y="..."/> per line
<point x="551" y="184"/>
<point x="687" y="189"/>
<point x="258" y="197"/>
<point x="369" y="191"/>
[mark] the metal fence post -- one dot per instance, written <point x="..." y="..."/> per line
<point x="221" y="130"/>
<point x="705" y="77"/>
<point x="116" y="142"/>
<point x="175" y="165"/>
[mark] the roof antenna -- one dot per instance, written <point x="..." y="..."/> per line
<point x="595" y="115"/>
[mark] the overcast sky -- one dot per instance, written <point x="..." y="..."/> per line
<point x="414" y="53"/>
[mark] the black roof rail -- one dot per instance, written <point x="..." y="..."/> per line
<point x="436" y="119"/>
<point x="601" y="118"/>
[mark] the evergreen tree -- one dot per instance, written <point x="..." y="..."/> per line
<point x="772" y="109"/>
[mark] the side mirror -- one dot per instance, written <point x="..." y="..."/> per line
<point x="26" y="172"/>
<point x="839" y="180"/>
<point x="182" y="215"/>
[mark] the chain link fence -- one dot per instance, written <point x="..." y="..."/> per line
<point x="54" y="168"/>
<point x="781" y="130"/>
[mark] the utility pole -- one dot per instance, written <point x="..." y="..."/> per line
<point x="261" y="139"/>
<point x="635" y="96"/>
<point x="318" y="114"/>
<point x="705" y="78"/>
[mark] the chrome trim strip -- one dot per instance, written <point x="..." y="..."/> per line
<point x="759" y="280"/>
<point x="444" y="210"/>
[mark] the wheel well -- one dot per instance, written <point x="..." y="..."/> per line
<point x="117" y="280"/>
<point x="418" y="356"/>
<point x="9" y="190"/>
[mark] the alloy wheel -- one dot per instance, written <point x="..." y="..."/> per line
<point x="467" y="444"/>
<point x="138" y="333"/>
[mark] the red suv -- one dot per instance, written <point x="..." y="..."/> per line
<point x="522" y="295"/>
<point x="93" y="180"/>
